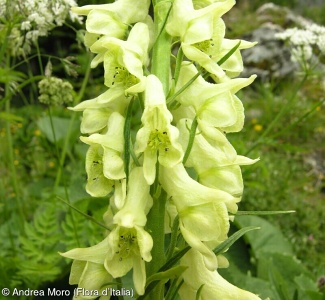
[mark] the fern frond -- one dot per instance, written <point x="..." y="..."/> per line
<point x="40" y="261"/>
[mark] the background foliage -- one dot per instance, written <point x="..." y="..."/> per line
<point x="42" y="162"/>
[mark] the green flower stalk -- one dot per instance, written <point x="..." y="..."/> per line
<point x="180" y="177"/>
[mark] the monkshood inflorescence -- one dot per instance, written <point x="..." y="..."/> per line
<point x="174" y="178"/>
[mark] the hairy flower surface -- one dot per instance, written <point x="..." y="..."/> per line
<point x="88" y="269"/>
<point x="214" y="159"/>
<point x="132" y="52"/>
<point x="89" y="276"/>
<point x="124" y="9"/>
<point x="157" y="138"/>
<point x="97" y="184"/>
<point x="131" y="244"/>
<point x="128" y="245"/>
<point x="111" y="19"/>
<point x="215" y="104"/>
<point x="97" y="111"/>
<point x="202" y="211"/>
<point x="112" y="144"/>
<point x="213" y="285"/>
<point x="202" y="36"/>
<point x="124" y="60"/>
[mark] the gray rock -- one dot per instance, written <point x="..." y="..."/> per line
<point x="270" y="58"/>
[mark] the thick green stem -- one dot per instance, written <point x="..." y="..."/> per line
<point x="155" y="225"/>
<point x="160" y="64"/>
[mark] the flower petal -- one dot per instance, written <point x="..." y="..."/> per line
<point x="138" y="201"/>
<point x="214" y="286"/>
<point x="95" y="254"/>
<point x="139" y="275"/>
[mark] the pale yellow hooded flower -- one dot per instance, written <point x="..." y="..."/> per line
<point x="214" y="285"/>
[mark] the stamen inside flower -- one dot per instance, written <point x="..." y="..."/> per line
<point x="159" y="140"/>
<point x="204" y="46"/>
<point x="127" y="243"/>
<point x="95" y="162"/>
<point x="122" y="76"/>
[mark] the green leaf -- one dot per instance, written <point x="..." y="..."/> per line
<point x="225" y="245"/>
<point x="127" y="138"/>
<point x="278" y="281"/>
<point x="173" y="238"/>
<point x="166" y="275"/>
<point x="10" y="117"/>
<point x="170" y="100"/>
<point x="263" y="213"/>
<point x="268" y="239"/>
<point x="165" y="267"/>
<point x="39" y="261"/>
<point x="282" y="271"/>
<point x="231" y="52"/>
<point x="305" y="283"/>
<point x="60" y="126"/>
<point x="315" y="295"/>
<point x="8" y="76"/>
<point x="174" y="259"/>
<point x="190" y="140"/>
<point x="173" y="290"/>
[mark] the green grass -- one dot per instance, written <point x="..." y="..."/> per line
<point x="285" y="128"/>
<point x="290" y="174"/>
